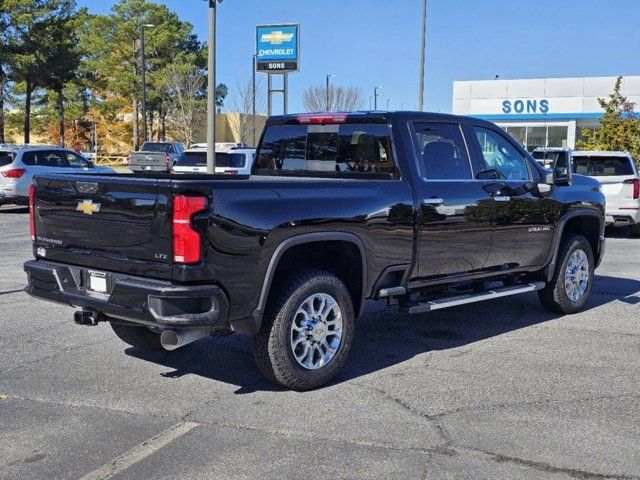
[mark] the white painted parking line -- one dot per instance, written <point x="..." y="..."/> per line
<point x="140" y="452"/>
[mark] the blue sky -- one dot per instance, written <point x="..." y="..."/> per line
<point x="376" y="42"/>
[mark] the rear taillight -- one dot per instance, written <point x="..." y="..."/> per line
<point x="32" y="212"/>
<point x="167" y="160"/>
<point x="13" y="173"/>
<point x="187" y="243"/>
<point x="636" y="187"/>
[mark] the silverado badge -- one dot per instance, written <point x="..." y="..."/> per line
<point x="88" y="207"/>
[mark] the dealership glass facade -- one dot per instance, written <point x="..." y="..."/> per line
<point x="532" y="137"/>
<point x="543" y="112"/>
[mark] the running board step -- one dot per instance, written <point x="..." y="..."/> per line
<point x="422" y="307"/>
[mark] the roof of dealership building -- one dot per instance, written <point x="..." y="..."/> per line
<point x="540" y="98"/>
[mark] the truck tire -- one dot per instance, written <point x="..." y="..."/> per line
<point x="139" y="337"/>
<point x="569" y="289"/>
<point x="306" y="332"/>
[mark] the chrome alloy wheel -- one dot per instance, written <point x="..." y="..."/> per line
<point x="576" y="276"/>
<point x="316" y="331"/>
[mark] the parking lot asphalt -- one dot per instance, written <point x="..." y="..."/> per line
<point x="500" y="389"/>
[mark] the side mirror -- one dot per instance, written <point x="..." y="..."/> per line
<point x="562" y="171"/>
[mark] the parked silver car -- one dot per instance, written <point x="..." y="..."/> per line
<point x="617" y="173"/>
<point x="18" y="165"/>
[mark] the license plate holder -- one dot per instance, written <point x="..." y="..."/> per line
<point x="97" y="282"/>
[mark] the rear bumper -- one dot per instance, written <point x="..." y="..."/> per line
<point x="147" y="302"/>
<point x="150" y="168"/>
<point x="13" y="199"/>
<point x="622" y="216"/>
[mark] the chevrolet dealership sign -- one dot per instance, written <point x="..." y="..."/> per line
<point x="278" y="48"/>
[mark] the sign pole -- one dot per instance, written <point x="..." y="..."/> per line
<point x="285" y="93"/>
<point x="254" y="66"/>
<point x="270" y="94"/>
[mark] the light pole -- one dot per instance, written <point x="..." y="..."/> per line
<point x="423" y="54"/>
<point x="254" y="108"/>
<point x="144" y="80"/>
<point x="376" y="94"/>
<point x="211" y="90"/>
<point x="329" y="77"/>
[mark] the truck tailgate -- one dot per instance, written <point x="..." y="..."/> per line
<point x="105" y="222"/>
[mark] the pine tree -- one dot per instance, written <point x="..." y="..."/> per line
<point x="619" y="126"/>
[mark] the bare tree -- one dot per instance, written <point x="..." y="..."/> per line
<point x="182" y="89"/>
<point x="341" y="99"/>
<point x="242" y="121"/>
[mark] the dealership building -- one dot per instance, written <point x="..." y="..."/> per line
<point x="550" y="112"/>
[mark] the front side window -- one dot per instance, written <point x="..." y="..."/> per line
<point x="77" y="161"/>
<point x="442" y="153"/>
<point x="500" y="159"/>
<point x="345" y="148"/>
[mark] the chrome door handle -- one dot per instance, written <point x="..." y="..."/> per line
<point x="501" y="198"/>
<point x="433" y="201"/>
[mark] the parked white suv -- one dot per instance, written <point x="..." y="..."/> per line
<point x="18" y="165"/>
<point x="230" y="162"/>
<point x="617" y="173"/>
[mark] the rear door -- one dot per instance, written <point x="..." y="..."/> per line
<point x="523" y="222"/>
<point x="110" y="223"/>
<point x="456" y="214"/>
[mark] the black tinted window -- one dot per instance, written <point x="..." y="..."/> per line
<point x="442" y="153"/>
<point x="602" y="166"/>
<point x="231" y="160"/>
<point x="349" y="148"/>
<point x="6" y="158"/>
<point x="193" y="159"/>
<point x="223" y="160"/>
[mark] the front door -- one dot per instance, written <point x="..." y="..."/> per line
<point x="524" y="220"/>
<point x="455" y="217"/>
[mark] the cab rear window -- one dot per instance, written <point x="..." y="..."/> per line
<point x="334" y="149"/>
<point x="6" y="158"/>
<point x="601" y="166"/>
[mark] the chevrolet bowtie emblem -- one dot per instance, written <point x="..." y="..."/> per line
<point x="88" y="207"/>
<point x="277" y="37"/>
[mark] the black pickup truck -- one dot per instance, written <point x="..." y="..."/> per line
<point x="427" y="211"/>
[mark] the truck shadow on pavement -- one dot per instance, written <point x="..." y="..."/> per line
<point x="384" y="337"/>
<point x="13" y="210"/>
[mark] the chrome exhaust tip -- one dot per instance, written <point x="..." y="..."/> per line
<point x="174" y="339"/>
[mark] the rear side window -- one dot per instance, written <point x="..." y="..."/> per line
<point x="442" y="153"/>
<point x="51" y="159"/>
<point x="6" y="158"/>
<point x="337" y="149"/>
<point x="601" y="166"/>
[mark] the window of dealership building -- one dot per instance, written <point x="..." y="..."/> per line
<point x="546" y="112"/>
